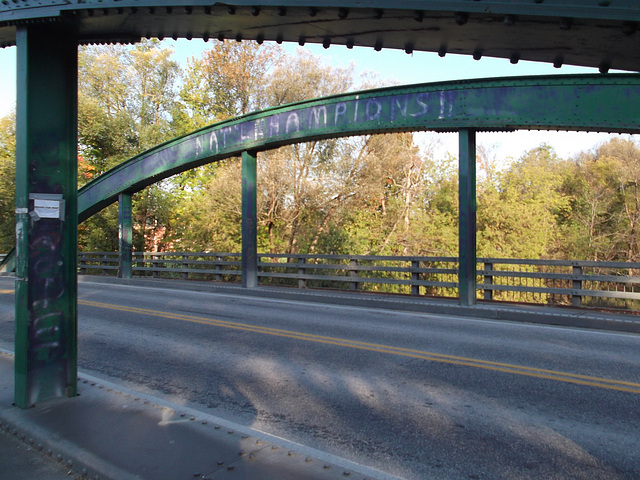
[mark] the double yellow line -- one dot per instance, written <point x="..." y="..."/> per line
<point x="598" y="382"/>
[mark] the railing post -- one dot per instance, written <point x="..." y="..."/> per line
<point x="576" y="299"/>
<point x="105" y="263"/>
<point x="185" y="265"/>
<point x="125" y="235"/>
<point x="353" y="272"/>
<point x="488" y="280"/>
<point x="154" y="272"/>
<point x="218" y="268"/>
<point x="82" y="262"/>
<point x="302" y="283"/>
<point x="249" y="221"/>
<point x="467" y="217"/>
<point x="415" y="277"/>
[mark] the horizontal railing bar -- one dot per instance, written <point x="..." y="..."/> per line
<point x="561" y="291"/>
<point x="187" y="270"/>
<point x="561" y="276"/>
<point x="561" y="263"/>
<point x="348" y="279"/>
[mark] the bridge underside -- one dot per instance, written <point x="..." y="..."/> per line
<point x="600" y="34"/>
<point x="589" y="33"/>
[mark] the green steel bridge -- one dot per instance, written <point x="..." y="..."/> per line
<point x="600" y="34"/>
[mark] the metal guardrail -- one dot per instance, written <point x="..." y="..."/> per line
<point x="557" y="282"/>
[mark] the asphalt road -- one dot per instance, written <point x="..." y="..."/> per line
<point x="415" y="395"/>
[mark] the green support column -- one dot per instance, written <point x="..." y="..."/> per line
<point x="249" y="221"/>
<point x="467" y="217"/>
<point x="125" y="235"/>
<point x="46" y="214"/>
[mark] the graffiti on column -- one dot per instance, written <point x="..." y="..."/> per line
<point x="47" y="298"/>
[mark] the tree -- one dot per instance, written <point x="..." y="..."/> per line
<point x="7" y="182"/>
<point x="605" y="215"/>
<point x="126" y="96"/>
<point x="227" y="81"/>
<point x="518" y="212"/>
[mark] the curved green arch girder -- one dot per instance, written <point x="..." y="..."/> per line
<point x="574" y="102"/>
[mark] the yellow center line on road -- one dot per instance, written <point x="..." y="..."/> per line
<point x="7" y="291"/>
<point x="599" y="382"/>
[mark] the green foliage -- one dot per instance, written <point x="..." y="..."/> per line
<point x="7" y="182"/>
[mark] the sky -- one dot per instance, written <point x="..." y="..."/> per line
<point x="395" y="66"/>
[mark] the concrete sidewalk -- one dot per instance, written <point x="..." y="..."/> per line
<point x="108" y="432"/>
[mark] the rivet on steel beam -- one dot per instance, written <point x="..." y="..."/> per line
<point x="343" y="13"/>
<point x="239" y="37"/>
<point x="408" y="48"/>
<point x="629" y="28"/>
<point x="221" y="37"/>
<point x="509" y="20"/>
<point x="260" y="38"/>
<point x="255" y="11"/>
<point x="301" y="40"/>
<point x="231" y="9"/>
<point x="378" y="46"/>
<point x="279" y="39"/>
<point x="161" y="36"/>
<point x="205" y="37"/>
<point x="477" y="54"/>
<point x="313" y="11"/>
<point x="188" y="10"/>
<point x="442" y="51"/>
<point x="350" y="43"/>
<point x="514" y="58"/>
<point x="566" y="23"/>
<point x="418" y="15"/>
<point x="461" y="18"/>
<point x="189" y="36"/>
<point x="558" y="61"/>
<point x="282" y="11"/>
<point x="604" y="66"/>
<point x="326" y="43"/>
<point x="174" y="36"/>
<point x="378" y="13"/>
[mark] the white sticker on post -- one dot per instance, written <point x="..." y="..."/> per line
<point x="47" y="205"/>
<point x="47" y="208"/>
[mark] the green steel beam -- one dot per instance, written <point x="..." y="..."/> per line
<point x="595" y="33"/>
<point x="125" y="235"/>
<point x="46" y="214"/>
<point x="570" y="102"/>
<point x="467" y="217"/>
<point x="249" y="220"/>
